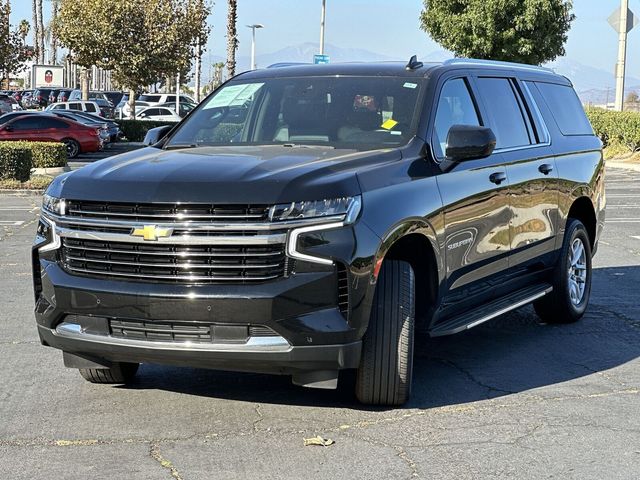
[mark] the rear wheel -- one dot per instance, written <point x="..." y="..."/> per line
<point x="118" y="373"/>
<point x="73" y="147"/>
<point x="385" y="371"/>
<point x="571" y="278"/>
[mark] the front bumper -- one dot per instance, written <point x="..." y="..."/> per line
<point x="266" y="355"/>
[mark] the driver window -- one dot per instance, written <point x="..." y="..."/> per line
<point x="455" y="107"/>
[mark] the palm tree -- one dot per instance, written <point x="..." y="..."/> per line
<point x="232" y="36"/>
<point x="40" y="32"/>
<point x="36" y="32"/>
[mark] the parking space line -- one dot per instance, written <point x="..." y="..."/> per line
<point x="12" y="222"/>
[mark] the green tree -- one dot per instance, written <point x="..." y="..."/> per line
<point x="13" y="51"/>
<point x="527" y="31"/>
<point x="140" y="41"/>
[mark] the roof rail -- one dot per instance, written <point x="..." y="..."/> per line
<point x="496" y="63"/>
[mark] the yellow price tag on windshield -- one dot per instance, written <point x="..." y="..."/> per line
<point x="389" y="124"/>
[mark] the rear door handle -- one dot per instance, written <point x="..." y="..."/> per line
<point x="545" y="168"/>
<point x="498" y="177"/>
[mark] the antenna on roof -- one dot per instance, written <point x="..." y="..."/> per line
<point x="414" y="63"/>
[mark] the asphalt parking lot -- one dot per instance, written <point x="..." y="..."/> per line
<point x="509" y="399"/>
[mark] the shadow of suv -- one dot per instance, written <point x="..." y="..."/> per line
<point x="309" y="219"/>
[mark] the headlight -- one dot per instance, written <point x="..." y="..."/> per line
<point x="53" y="205"/>
<point x="347" y="207"/>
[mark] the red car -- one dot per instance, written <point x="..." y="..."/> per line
<point x="45" y="128"/>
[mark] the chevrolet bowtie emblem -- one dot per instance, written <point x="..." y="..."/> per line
<point x="151" y="232"/>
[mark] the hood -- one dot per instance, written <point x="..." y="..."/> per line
<point x="265" y="174"/>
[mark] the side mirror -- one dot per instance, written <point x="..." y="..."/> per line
<point x="468" y="142"/>
<point x="154" y="135"/>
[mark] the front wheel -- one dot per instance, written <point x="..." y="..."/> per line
<point x="385" y="371"/>
<point x="571" y="278"/>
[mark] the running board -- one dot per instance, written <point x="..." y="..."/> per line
<point x="491" y="310"/>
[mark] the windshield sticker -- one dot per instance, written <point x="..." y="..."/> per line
<point x="410" y="85"/>
<point x="389" y="124"/>
<point x="233" y="95"/>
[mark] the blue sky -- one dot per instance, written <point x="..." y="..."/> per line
<point x="389" y="27"/>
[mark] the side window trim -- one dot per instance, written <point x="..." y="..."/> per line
<point x="511" y="78"/>
<point x="467" y="79"/>
<point x="536" y="115"/>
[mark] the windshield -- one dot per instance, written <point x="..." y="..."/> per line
<point x="343" y="112"/>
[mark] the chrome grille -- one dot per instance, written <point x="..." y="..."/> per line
<point x="159" y="262"/>
<point x="167" y="212"/>
<point x="176" y="332"/>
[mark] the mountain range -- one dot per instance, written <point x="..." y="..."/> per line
<point x="594" y="85"/>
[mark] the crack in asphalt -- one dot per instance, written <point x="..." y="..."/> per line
<point x="260" y="417"/>
<point x="471" y="377"/>
<point x="154" y="452"/>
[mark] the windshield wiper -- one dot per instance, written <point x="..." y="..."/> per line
<point x="176" y="146"/>
<point x="302" y="145"/>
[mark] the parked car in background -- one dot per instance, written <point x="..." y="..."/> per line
<point x="78" y="138"/>
<point x="114" y="97"/>
<point x="101" y="125"/>
<point x="17" y="95"/>
<point x="185" y="107"/>
<point x="111" y="130"/>
<point x="40" y="97"/>
<point x="77" y="95"/>
<point x="125" y="109"/>
<point x="154" y="99"/>
<point x="107" y="109"/>
<point x="8" y="104"/>
<point x="158" y="114"/>
<point x="63" y="95"/>
<point x="53" y="96"/>
<point x="80" y="106"/>
<point x="25" y="98"/>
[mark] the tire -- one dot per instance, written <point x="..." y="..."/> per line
<point x="571" y="279"/>
<point x="118" y="373"/>
<point x="73" y="147"/>
<point x="385" y="372"/>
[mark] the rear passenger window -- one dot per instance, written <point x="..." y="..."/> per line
<point x="90" y="107"/>
<point x="566" y="109"/>
<point x="455" y="107"/>
<point x="75" y="106"/>
<point x="505" y="114"/>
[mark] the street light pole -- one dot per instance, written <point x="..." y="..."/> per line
<point x="253" y="43"/>
<point x="622" y="55"/>
<point x="322" y="19"/>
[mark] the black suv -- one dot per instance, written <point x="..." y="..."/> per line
<point x="304" y="220"/>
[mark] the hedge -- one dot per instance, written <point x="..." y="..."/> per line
<point x="18" y="158"/>
<point x="15" y="161"/>
<point x="616" y="129"/>
<point x="135" y="130"/>
<point x="48" y="154"/>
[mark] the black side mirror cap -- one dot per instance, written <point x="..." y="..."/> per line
<point x="154" y="135"/>
<point x="469" y="142"/>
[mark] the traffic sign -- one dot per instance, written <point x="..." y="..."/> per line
<point x="614" y="20"/>
<point x="318" y="59"/>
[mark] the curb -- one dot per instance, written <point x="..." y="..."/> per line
<point x="22" y="191"/>
<point x="50" y="171"/>
<point x="634" y="167"/>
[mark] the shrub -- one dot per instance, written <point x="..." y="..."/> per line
<point x="616" y="128"/>
<point x="15" y="161"/>
<point x="135" y="130"/>
<point x="48" y="154"/>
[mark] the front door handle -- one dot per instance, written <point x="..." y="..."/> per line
<point x="498" y="177"/>
<point x="545" y="168"/>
